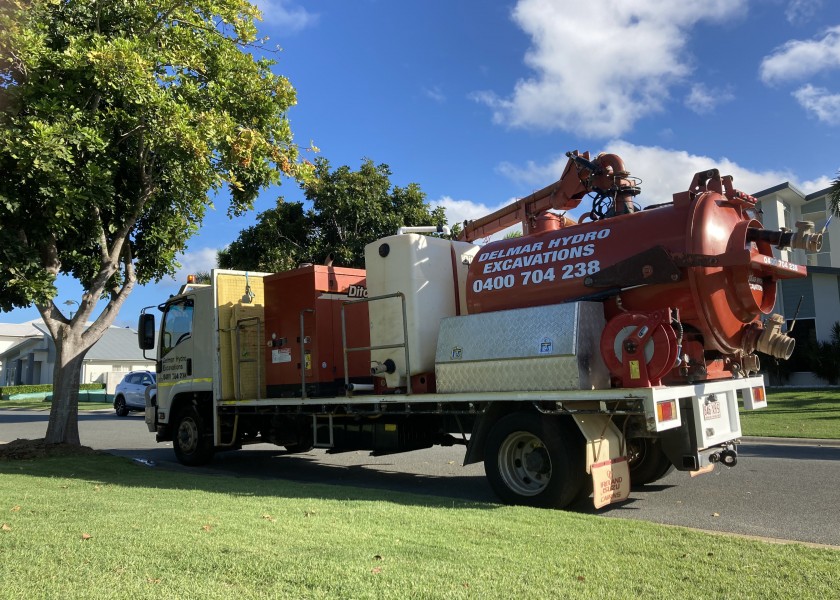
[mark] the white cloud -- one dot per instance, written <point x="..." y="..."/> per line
<point x="458" y="211"/>
<point x="666" y="134"/>
<point x="664" y="172"/>
<point x="286" y="15"/>
<point x="798" y="59"/>
<point x="815" y="185"/>
<point x="802" y="11"/>
<point x="533" y="174"/>
<point x="819" y="102"/>
<point x="203" y="259"/>
<point x="435" y="93"/>
<point x="703" y="99"/>
<point x="601" y="67"/>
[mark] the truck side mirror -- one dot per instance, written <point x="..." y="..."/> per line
<point x="146" y="331"/>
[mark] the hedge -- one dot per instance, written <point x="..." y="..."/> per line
<point x="10" y="390"/>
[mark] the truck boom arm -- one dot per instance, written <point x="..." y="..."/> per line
<point x="605" y="175"/>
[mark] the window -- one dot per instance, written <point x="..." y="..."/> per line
<point x="177" y="325"/>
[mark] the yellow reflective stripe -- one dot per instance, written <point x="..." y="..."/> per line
<point x="180" y="381"/>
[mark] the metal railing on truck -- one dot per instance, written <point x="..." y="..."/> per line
<point x="348" y="388"/>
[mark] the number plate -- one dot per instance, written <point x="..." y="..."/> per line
<point x="711" y="409"/>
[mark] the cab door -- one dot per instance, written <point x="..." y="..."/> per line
<point x="176" y="354"/>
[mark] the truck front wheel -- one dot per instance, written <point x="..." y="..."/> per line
<point x="192" y="443"/>
<point x="534" y="460"/>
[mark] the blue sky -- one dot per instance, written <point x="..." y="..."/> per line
<point x="477" y="101"/>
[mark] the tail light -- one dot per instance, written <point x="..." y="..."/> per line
<point x="666" y="411"/>
<point x="755" y="398"/>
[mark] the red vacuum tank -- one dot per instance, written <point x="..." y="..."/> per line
<point x="704" y="257"/>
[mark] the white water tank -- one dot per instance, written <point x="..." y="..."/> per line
<point x="431" y="273"/>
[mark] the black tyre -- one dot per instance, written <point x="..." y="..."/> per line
<point x="535" y="460"/>
<point x="120" y="406"/>
<point x="647" y="461"/>
<point x="193" y="438"/>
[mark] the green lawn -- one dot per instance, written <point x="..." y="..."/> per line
<point x="105" y="527"/>
<point x="41" y="405"/>
<point x="796" y="413"/>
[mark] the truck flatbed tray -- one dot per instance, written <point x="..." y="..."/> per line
<point x="648" y="395"/>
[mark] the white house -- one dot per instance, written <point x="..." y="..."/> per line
<point x="818" y="295"/>
<point x="19" y="334"/>
<point x="27" y="356"/>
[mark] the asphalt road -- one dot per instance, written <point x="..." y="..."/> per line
<point x="778" y="491"/>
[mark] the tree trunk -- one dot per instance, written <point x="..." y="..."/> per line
<point x="63" y="427"/>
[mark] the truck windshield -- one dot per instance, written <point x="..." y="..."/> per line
<point x="177" y="325"/>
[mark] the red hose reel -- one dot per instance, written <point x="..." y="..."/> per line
<point x="640" y="348"/>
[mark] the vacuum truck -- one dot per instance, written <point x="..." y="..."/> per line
<point x="575" y="359"/>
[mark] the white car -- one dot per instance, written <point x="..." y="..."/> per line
<point x="130" y="393"/>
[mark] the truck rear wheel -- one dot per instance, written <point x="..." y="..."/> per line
<point x="192" y="443"/>
<point x="534" y="460"/>
<point x="646" y="461"/>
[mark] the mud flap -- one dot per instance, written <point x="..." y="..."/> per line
<point x="606" y="460"/>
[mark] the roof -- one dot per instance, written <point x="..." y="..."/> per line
<point x="25" y="345"/>
<point x="787" y="188"/>
<point x="778" y="188"/>
<point x="117" y="343"/>
<point x="22" y="330"/>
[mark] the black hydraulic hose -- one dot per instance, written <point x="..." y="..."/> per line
<point x="780" y="239"/>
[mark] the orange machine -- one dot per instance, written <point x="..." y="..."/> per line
<point x="303" y="330"/>
<point x="684" y="284"/>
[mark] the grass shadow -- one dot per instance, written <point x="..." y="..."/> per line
<point x="354" y="483"/>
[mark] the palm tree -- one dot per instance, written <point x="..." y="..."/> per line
<point x="834" y="196"/>
<point x="203" y="277"/>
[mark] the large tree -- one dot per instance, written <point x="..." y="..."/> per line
<point x="118" y="118"/>
<point x="349" y="209"/>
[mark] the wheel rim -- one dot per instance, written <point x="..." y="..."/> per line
<point x="120" y="405"/>
<point x="636" y="452"/>
<point x="524" y="464"/>
<point x="188" y="436"/>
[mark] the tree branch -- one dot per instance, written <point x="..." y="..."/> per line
<point x="49" y="255"/>
<point x="163" y="17"/>
<point x="146" y="168"/>
<point x="128" y="133"/>
<point x="118" y="296"/>
<point x="103" y="240"/>
<point x="53" y="318"/>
